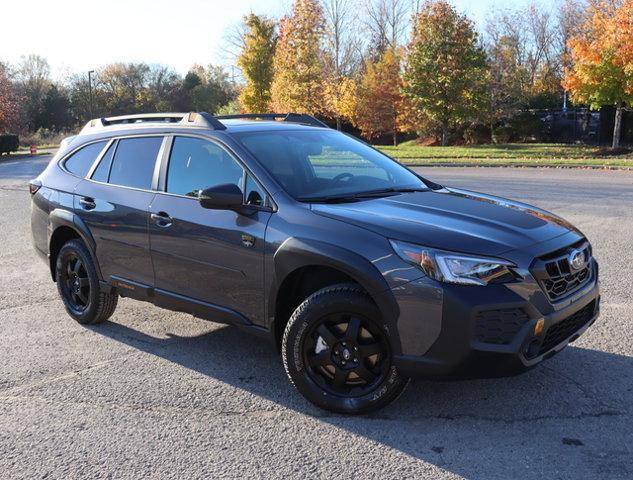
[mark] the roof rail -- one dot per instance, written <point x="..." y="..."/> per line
<point x="143" y="118"/>
<point x="204" y="120"/>
<point x="194" y="119"/>
<point x="284" y="117"/>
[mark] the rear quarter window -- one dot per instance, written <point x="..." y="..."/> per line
<point x="102" y="172"/>
<point x="79" y="163"/>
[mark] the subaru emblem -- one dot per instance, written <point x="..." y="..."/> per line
<point x="577" y="259"/>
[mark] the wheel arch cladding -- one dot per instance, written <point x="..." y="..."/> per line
<point x="298" y="255"/>
<point x="64" y="226"/>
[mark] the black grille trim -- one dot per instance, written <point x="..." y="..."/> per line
<point x="567" y="327"/>
<point x="556" y="276"/>
<point x="500" y="326"/>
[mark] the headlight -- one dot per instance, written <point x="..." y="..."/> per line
<point x="454" y="267"/>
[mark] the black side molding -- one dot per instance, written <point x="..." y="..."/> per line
<point x="181" y="303"/>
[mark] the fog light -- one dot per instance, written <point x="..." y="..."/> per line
<point x="538" y="328"/>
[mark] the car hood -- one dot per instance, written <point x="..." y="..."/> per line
<point x="452" y="219"/>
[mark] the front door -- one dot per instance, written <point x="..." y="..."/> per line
<point x="210" y="256"/>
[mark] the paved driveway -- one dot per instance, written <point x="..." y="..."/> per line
<point x="160" y="394"/>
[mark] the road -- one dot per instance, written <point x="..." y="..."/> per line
<point x="160" y="394"/>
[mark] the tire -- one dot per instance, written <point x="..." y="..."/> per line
<point x="78" y="285"/>
<point x="337" y="352"/>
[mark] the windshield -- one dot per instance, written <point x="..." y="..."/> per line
<point x="313" y="165"/>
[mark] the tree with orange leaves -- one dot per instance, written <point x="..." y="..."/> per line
<point x="602" y="60"/>
<point x="379" y="95"/>
<point x="9" y="102"/>
<point x="298" y="64"/>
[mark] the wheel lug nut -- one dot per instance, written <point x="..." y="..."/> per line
<point x="356" y="349"/>
<point x="344" y="344"/>
<point x="343" y="362"/>
<point x="356" y="360"/>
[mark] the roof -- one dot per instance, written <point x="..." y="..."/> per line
<point x="202" y="120"/>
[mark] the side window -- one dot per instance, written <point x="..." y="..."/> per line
<point x="80" y="162"/>
<point x="134" y="161"/>
<point x="196" y="164"/>
<point x="102" y="172"/>
<point x="255" y="195"/>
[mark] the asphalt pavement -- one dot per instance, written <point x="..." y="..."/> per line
<point x="156" y="394"/>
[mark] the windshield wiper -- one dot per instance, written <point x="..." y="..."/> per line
<point x="395" y="190"/>
<point x="329" y="199"/>
<point x="362" y="195"/>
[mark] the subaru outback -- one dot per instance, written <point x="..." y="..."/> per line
<point x="361" y="272"/>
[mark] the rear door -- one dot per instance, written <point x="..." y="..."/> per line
<point x="211" y="256"/>
<point x="114" y="203"/>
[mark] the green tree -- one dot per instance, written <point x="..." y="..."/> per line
<point x="298" y="63"/>
<point x="163" y="85"/>
<point x="33" y="82"/>
<point x="56" y="113"/>
<point x="120" y="88"/>
<point x="446" y="73"/>
<point x="212" y="89"/>
<point x="256" y="63"/>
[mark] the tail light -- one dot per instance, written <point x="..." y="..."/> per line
<point x="34" y="186"/>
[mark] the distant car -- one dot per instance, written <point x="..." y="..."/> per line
<point x="363" y="273"/>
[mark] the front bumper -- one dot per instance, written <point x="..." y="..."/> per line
<point x="487" y="331"/>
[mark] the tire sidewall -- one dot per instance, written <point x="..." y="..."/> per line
<point x="77" y="248"/>
<point x="297" y="331"/>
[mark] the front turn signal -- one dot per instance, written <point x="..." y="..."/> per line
<point x="538" y="328"/>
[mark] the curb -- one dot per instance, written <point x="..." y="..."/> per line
<point x="519" y="165"/>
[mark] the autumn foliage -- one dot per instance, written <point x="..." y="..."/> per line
<point x="10" y="102"/>
<point x="347" y="62"/>
<point x="299" y="61"/>
<point x="379" y="96"/>
<point x="602" y="59"/>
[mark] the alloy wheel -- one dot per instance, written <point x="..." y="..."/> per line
<point x="76" y="284"/>
<point x="347" y="354"/>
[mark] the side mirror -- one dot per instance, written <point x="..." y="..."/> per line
<point x="227" y="196"/>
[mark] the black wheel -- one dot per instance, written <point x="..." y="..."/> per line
<point x="337" y="352"/>
<point x="78" y="285"/>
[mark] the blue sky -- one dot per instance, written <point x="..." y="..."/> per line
<point x="79" y="35"/>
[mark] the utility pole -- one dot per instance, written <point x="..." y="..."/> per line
<point x="233" y="74"/>
<point x="92" y="113"/>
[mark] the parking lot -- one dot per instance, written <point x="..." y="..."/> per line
<point x="159" y="394"/>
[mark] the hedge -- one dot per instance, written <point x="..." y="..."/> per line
<point x="9" y="143"/>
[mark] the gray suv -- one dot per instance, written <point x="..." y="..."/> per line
<point x="360" y="271"/>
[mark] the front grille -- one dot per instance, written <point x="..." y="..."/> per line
<point x="556" y="275"/>
<point x="558" y="286"/>
<point x="566" y="327"/>
<point x="499" y="326"/>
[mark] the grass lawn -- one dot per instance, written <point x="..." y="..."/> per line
<point x="553" y="154"/>
<point x="26" y="151"/>
<point x="531" y="154"/>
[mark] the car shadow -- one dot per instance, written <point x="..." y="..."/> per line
<point x="473" y="428"/>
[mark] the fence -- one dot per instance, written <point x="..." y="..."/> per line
<point x="585" y="126"/>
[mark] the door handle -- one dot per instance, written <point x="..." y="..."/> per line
<point x="87" y="203"/>
<point x="161" y="219"/>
